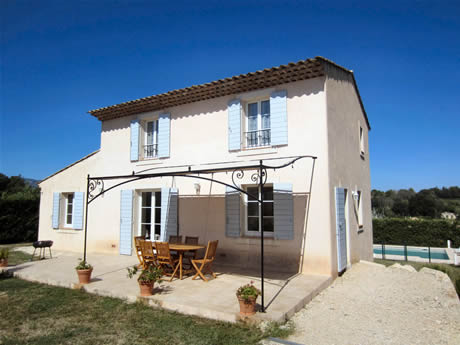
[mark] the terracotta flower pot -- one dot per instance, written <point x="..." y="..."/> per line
<point x="84" y="276"/>
<point x="248" y="307"/>
<point x="146" y="288"/>
<point x="3" y="262"/>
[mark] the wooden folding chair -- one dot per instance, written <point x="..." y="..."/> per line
<point x="175" y="239"/>
<point x="191" y="239"/>
<point x="148" y="256"/>
<point x="206" y="262"/>
<point x="187" y="255"/>
<point x="165" y="259"/>
<point x="137" y="244"/>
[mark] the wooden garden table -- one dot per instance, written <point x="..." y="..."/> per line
<point x="181" y="249"/>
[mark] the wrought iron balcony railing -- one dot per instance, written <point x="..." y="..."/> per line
<point x="258" y="138"/>
<point x="150" y="151"/>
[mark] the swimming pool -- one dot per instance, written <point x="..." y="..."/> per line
<point x="439" y="254"/>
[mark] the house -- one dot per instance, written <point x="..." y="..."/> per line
<point x="448" y="215"/>
<point x="320" y="224"/>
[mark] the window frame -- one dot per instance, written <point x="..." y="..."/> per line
<point x="155" y="193"/>
<point x="362" y="151"/>
<point x="251" y="233"/>
<point x="66" y="224"/>
<point x="155" y="133"/>
<point x="246" y="130"/>
<point x="358" y="202"/>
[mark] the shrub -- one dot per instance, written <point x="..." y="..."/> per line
<point x="18" y="220"/>
<point x="420" y="232"/>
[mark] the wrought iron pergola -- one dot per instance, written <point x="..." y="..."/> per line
<point x="95" y="187"/>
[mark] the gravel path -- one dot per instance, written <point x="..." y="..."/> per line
<point x="371" y="304"/>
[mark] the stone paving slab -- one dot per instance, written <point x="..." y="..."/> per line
<point x="214" y="299"/>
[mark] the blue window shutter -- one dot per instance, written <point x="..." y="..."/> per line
<point x="283" y="211"/>
<point x="232" y="212"/>
<point x="126" y="221"/>
<point x="169" y="198"/>
<point x="135" y="140"/>
<point x="78" y="210"/>
<point x="56" y="197"/>
<point x="341" y="229"/>
<point x="164" y="134"/>
<point x="278" y="118"/>
<point x="234" y="125"/>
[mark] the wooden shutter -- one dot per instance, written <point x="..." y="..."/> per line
<point x="234" y="125"/>
<point x="283" y="211"/>
<point x="169" y="200"/>
<point x="341" y="228"/>
<point x="278" y="118"/>
<point x="134" y="152"/>
<point x="232" y="212"/>
<point x="78" y="207"/>
<point x="126" y="221"/>
<point x="55" y="217"/>
<point x="164" y="134"/>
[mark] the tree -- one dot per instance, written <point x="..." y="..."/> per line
<point x="19" y="204"/>
<point x="426" y="204"/>
<point x="401" y="207"/>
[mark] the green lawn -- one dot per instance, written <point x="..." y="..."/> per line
<point x="17" y="257"/>
<point x="452" y="271"/>
<point x="34" y="313"/>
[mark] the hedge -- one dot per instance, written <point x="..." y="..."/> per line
<point x="420" y="232"/>
<point x="18" y="220"/>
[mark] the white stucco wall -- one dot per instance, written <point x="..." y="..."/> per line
<point x="348" y="168"/>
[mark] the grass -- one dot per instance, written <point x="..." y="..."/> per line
<point x="17" y="257"/>
<point x="35" y="313"/>
<point x="14" y="245"/>
<point x="452" y="271"/>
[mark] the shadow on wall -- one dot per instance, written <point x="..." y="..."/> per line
<point x="204" y="216"/>
<point x="218" y="105"/>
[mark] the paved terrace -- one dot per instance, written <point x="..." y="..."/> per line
<point x="215" y="299"/>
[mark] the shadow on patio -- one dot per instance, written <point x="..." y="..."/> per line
<point x="284" y="294"/>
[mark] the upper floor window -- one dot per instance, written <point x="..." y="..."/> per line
<point x="258" y="124"/>
<point x="361" y="141"/>
<point x="151" y="139"/>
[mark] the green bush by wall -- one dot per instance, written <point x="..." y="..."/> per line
<point x="423" y="232"/>
<point x="18" y="220"/>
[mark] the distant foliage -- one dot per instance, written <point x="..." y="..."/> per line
<point x="428" y="203"/>
<point x="19" y="204"/>
<point x="420" y="232"/>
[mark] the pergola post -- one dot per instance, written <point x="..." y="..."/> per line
<point x="261" y="227"/>
<point x="86" y="216"/>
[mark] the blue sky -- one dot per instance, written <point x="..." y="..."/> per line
<point x="60" y="59"/>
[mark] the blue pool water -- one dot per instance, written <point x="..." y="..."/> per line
<point x="439" y="254"/>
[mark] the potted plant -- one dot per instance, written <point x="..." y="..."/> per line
<point x="247" y="296"/>
<point x="4" y="252"/>
<point x="84" y="270"/>
<point x="147" y="278"/>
